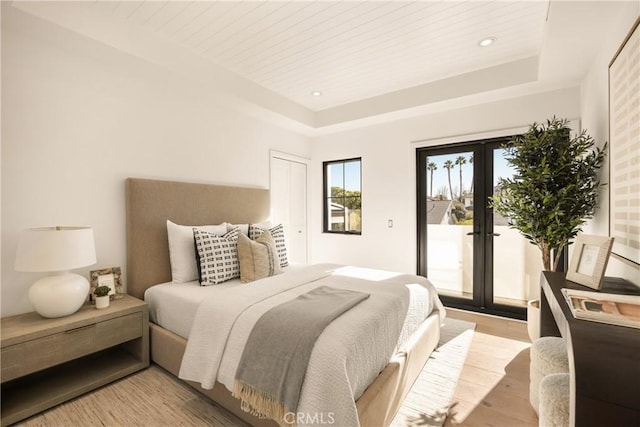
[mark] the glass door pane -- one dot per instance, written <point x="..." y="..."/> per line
<point x="516" y="262"/>
<point x="449" y="223"/>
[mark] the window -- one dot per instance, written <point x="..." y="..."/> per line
<point x="342" y="196"/>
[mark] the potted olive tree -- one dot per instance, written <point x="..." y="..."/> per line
<point x="554" y="188"/>
<point x="101" y="294"/>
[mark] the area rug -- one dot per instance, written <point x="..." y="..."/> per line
<point x="429" y="400"/>
<point x="153" y="397"/>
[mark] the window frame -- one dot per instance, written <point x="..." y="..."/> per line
<point x="326" y="196"/>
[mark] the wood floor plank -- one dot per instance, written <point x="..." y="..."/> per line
<point x="472" y="414"/>
<point x="493" y="389"/>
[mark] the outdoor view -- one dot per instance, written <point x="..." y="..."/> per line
<point x="450" y="213"/>
<point x="344" y="207"/>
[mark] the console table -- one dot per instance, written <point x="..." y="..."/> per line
<point x="604" y="360"/>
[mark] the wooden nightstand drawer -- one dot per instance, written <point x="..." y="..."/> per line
<point x="31" y="356"/>
<point x="46" y="362"/>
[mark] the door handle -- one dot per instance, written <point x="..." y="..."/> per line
<point x="472" y="233"/>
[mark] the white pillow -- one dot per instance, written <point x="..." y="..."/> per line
<point x="182" y="252"/>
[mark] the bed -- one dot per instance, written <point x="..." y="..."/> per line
<point x="150" y="203"/>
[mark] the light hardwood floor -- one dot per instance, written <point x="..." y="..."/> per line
<point x="493" y="389"/>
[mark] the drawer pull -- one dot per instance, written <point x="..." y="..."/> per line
<point x="81" y="328"/>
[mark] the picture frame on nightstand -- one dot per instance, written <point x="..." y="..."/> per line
<point x="111" y="277"/>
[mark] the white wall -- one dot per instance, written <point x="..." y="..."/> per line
<point x="594" y="92"/>
<point x="388" y="172"/>
<point x="79" y="117"/>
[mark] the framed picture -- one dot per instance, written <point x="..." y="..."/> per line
<point x="589" y="260"/>
<point x="624" y="137"/>
<point x="111" y="277"/>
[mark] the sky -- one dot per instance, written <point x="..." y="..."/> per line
<point x="501" y="169"/>
<point x="351" y="174"/>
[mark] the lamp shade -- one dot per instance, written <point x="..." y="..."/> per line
<point x="55" y="249"/>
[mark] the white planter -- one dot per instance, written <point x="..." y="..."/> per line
<point x="102" y="302"/>
<point x="533" y="319"/>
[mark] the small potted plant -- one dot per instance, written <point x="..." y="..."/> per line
<point x="101" y="294"/>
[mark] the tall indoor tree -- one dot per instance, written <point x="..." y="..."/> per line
<point x="554" y="188"/>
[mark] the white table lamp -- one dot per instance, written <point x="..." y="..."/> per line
<point x="57" y="250"/>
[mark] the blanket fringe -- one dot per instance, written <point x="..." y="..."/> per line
<point x="260" y="404"/>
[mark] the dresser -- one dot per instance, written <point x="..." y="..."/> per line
<point x="604" y="360"/>
<point x="48" y="361"/>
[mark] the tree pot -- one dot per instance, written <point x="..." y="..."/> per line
<point x="533" y="319"/>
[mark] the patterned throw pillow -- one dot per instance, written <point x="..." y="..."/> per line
<point x="277" y="233"/>
<point x="218" y="256"/>
<point x="258" y="258"/>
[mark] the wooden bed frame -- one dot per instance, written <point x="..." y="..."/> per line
<point x="149" y="203"/>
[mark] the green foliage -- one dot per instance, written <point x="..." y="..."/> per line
<point x="554" y="188"/>
<point x="355" y="220"/>
<point x="459" y="212"/>
<point x="350" y="199"/>
<point x="101" y="291"/>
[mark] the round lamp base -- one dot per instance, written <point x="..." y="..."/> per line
<point x="59" y="295"/>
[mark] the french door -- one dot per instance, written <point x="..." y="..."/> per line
<point x="470" y="254"/>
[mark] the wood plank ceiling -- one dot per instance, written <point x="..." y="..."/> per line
<point x="349" y="50"/>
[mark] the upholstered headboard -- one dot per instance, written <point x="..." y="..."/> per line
<point x="150" y="203"/>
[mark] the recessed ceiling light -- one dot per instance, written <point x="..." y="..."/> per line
<point x="316" y="93"/>
<point x="487" y="41"/>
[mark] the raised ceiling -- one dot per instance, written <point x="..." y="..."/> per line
<point x="368" y="58"/>
<point x="346" y="50"/>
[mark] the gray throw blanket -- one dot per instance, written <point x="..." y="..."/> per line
<point x="274" y="362"/>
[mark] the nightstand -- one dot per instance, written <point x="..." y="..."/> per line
<point x="48" y="361"/>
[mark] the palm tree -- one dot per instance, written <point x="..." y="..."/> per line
<point x="471" y="162"/>
<point x="448" y="165"/>
<point x="461" y="160"/>
<point x="431" y="167"/>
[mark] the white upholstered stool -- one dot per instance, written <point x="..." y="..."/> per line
<point x="554" y="401"/>
<point x="548" y="356"/>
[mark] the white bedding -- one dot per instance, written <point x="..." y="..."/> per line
<point x="174" y="305"/>
<point x="349" y="354"/>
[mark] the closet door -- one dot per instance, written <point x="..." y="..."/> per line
<point x="298" y="212"/>
<point x="289" y="204"/>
